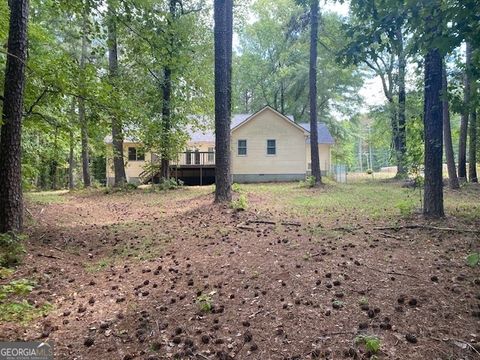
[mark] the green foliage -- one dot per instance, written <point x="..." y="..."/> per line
<point x="13" y="308"/>
<point x="309" y="182"/>
<point x="371" y="342"/>
<point x="16" y="287"/>
<point x="406" y="207"/>
<point x="127" y="187"/>
<point x="167" y="184"/>
<point x="241" y="204"/>
<point x="22" y="312"/>
<point x="369" y="171"/>
<point x="236" y="188"/>
<point x="205" y="303"/>
<point x="11" y="249"/>
<point x="272" y="66"/>
<point x="473" y="259"/>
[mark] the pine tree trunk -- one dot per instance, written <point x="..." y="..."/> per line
<point x="166" y="126"/>
<point x="433" y="133"/>
<point x="71" y="162"/>
<point x="447" y="134"/>
<point x="223" y="65"/>
<point x="401" y="137"/>
<point x="81" y="112"/>
<point x="472" y="146"/>
<point x="11" y="198"/>
<point x="315" y="157"/>
<point x="71" y="158"/>
<point x="117" y="131"/>
<point x="462" y="145"/>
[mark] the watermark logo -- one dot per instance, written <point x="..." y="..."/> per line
<point x="26" y="351"/>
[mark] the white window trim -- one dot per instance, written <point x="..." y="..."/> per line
<point x="246" y="148"/>
<point x="266" y="151"/>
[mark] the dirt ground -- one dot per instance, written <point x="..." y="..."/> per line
<point x="170" y="275"/>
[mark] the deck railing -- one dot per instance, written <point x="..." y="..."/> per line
<point x="194" y="158"/>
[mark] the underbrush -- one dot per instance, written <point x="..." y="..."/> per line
<point x="13" y="305"/>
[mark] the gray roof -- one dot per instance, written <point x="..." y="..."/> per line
<point x="324" y="136"/>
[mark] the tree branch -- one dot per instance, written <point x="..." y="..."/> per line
<point x="37" y="101"/>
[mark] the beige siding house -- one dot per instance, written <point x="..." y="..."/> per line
<point x="265" y="146"/>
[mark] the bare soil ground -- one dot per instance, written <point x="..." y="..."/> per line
<point x="300" y="274"/>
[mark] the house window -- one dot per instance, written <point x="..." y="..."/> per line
<point x="271" y="147"/>
<point x="211" y="155"/>
<point x="197" y="157"/>
<point x="135" y="154"/>
<point x="242" y="147"/>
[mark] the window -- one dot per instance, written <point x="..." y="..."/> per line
<point x="211" y="155"/>
<point x="242" y="147"/>
<point x="271" y="147"/>
<point x="197" y="157"/>
<point x="135" y="154"/>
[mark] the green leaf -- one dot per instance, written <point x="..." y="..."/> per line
<point x="473" y="259"/>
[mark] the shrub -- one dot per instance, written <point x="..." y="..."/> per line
<point x="241" y="204"/>
<point x="369" y="171"/>
<point x="168" y="184"/>
<point x="309" y="182"/>
<point x="11" y="249"/>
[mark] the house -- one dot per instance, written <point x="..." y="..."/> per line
<point x="266" y="146"/>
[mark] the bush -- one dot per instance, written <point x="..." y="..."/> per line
<point x="240" y="204"/>
<point x="309" y="182"/>
<point x="168" y="184"/>
<point x="11" y="249"/>
<point x="369" y="171"/>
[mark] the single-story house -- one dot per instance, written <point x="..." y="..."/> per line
<point x="266" y="146"/>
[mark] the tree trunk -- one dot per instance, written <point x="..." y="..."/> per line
<point x="71" y="159"/>
<point x="433" y="131"/>
<point x="223" y="64"/>
<point x="401" y="137"/>
<point x="462" y="145"/>
<point x="117" y="131"/>
<point x="81" y="111"/>
<point x="472" y="147"/>
<point x="71" y="162"/>
<point x="447" y="134"/>
<point x="314" y="10"/>
<point x="282" y="97"/>
<point x="166" y="103"/>
<point x="54" y="163"/>
<point x="11" y="198"/>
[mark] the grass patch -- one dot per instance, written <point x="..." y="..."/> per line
<point x="47" y="197"/>
<point x="13" y="305"/>
<point x="98" y="266"/>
